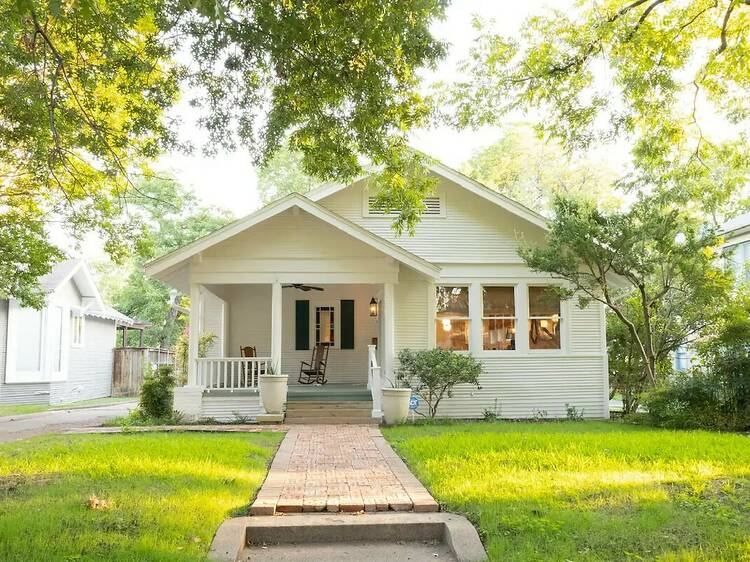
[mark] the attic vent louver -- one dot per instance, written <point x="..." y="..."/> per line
<point x="433" y="207"/>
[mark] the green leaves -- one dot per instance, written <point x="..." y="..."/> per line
<point x="652" y="73"/>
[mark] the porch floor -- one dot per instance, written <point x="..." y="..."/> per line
<point x="333" y="468"/>
<point x="328" y="392"/>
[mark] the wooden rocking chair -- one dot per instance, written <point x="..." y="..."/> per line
<point x="315" y="370"/>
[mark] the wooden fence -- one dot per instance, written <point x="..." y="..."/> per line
<point x="129" y="365"/>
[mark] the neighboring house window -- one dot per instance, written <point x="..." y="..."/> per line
<point x="741" y="261"/>
<point x="324" y="325"/>
<point x="37" y="349"/>
<point x="544" y="319"/>
<point x="452" y="318"/>
<point x="77" y="322"/>
<point x="498" y="318"/>
<point x="29" y="329"/>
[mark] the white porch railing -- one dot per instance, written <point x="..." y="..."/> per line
<point x="231" y="373"/>
<point x="374" y="381"/>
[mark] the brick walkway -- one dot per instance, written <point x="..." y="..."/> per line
<point x="339" y="468"/>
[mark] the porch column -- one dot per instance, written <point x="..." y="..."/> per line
<point x="388" y="319"/>
<point x="276" y="327"/>
<point x="195" y="324"/>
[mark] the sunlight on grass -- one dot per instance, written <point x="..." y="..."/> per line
<point x="163" y="495"/>
<point x="589" y="490"/>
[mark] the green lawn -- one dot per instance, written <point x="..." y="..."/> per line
<point x="165" y="494"/>
<point x="14" y="410"/>
<point x="589" y="490"/>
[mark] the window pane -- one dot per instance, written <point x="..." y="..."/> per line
<point x="452" y="334"/>
<point x="543" y="302"/>
<point x="498" y="301"/>
<point x="29" y="340"/>
<point x="324" y="325"/>
<point x="55" y="331"/>
<point x="544" y="334"/>
<point x="498" y="333"/>
<point x="452" y="302"/>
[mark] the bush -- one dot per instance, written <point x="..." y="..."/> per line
<point x="157" y="393"/>
<point x="713" y="396"/>
<point x="432" y="374"/>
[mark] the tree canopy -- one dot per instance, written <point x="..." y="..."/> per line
<point x="531" y="171"/>
<point x="654" y="73"/>
<point x="85" y="89"/>
<point x="282" y="175"/>
<point x="174" y="218"/>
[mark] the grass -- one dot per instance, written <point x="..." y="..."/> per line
<point x="588" y="490"/>
<point x="17" y="409"/>
<point x="158" y="497"/>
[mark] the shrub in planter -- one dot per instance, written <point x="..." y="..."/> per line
<point x="157" y="393"/>
<point x="432" y="374"/>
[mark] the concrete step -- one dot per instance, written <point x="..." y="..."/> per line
<point x="309" y="406"/>
<point x="335" y="413"/>
<point x="369" y="537"/>
<point x="329" y="420"/>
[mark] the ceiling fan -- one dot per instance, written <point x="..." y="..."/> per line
<point x="302" y="287"/>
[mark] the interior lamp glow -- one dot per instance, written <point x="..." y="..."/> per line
<point x="446" y="324"/>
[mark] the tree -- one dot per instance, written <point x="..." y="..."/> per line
<point x="174" y="218"/>
<point x="650" y="72"/>
<point x="653" y="265"/>
<point x="432" y="374"/>
<point x="85" y="87"/>
<point x="282" y="175"/>
<point x="531" y="171"/>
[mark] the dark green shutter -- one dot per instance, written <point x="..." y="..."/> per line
<point x="347" y="324"/>
<point x="302" y="325"/>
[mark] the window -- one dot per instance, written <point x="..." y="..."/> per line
<point x="452" y="318"/>
<point x="544" y="319"/>
<point x="740" y="260"/>
<point x="498" y="318"/>
<point x="28" y="325"/>
<point x="77" y="321"/>
<point x="324" y="328"/>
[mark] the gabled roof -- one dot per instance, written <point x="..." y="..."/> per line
<point x="459" y="179"/>
<point x="77" y="270"/>
<point x="303" y="203"/>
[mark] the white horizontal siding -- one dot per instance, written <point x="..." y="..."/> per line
<point x="90" y="366"/>
<point x="585" y="328"/>
<point x="525" y="387"/>
<point x="472" y="230"/>
<point x="229" y="408"/>
<point x="411" y="310"/>
<point x="213" y="323"/>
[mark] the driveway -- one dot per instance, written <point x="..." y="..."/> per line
<point x="23" y="426"/>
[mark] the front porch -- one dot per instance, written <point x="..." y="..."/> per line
<point x="283" y="324"/>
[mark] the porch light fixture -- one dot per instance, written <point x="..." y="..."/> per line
<point x="373" y="307"/>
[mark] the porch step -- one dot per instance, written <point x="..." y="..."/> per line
<point x="329" y="412"/>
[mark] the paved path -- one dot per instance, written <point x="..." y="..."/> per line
<point x="339" y="468"/>
<point x="23" y="426"/>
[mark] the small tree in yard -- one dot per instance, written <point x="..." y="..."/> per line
<point x="432" y="374"/>
<point x="157" y="393"/>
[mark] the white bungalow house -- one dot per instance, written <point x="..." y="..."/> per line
<point x="305" y="270"/>
<point x="63" y="352"/>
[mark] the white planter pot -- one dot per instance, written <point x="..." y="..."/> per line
<point x="395" y="405"/>
<point x="273" y="392"/>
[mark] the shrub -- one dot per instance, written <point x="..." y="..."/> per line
<point x="432" y="374"/>
<point x="713" y="396"/>
<point x="157" y="393"/>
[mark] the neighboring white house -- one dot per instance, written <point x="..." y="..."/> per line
<point x="458" y="283"/>
<point x="736" y="234"/>
<point x="62" y="353"/>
